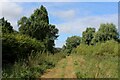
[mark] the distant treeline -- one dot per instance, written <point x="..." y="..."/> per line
<point x="105" y="32"/>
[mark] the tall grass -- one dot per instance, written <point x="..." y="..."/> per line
<point x="34" y="67"/>
<point x="94" y="67"/>
<point x="98" y="61"/>
<point x="108" y="48"/>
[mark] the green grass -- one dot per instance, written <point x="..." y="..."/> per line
<point x="97" y="68"/>
<point x="34" y="67"/>
<point x="63" y="67"/>
<point x="100" y="61"/>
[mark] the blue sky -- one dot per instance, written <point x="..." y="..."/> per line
<point x="71" y="18"/>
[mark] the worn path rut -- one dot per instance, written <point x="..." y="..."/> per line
<point x="64" y="69"/>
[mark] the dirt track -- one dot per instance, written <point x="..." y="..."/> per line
<point x="64" y="69"/>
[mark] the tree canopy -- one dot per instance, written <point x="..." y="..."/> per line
<point x="106" y="32"/>
<point x="88" y="35"/>
<point x="6" y="26"/>
<point x="72" y="42"/>
<point x="37" y="26"/>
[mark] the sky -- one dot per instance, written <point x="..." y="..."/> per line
<point x="71" y="18"/>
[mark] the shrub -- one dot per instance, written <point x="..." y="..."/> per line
<point x="18" y="46"/>
<point x="108" y="48"/>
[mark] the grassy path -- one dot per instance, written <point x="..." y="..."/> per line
<point x="64" y="69"/>
<point x="78" y="66"/>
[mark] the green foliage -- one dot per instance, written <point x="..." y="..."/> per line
<point x="37" y="26"/>
<point x="106" y="32"/>
<point x="6" y="26"/>
<point x="92" y="61"/>
<point x="37" y="35"/>
<point x="14" y="45"/>
<point x="88" y="35"/>
<point x="72" y="42"/>
<point x="80" y="75"/>
<point x="40" y="15"/>
<point x="107" y="48"/>
<point x="34" y="67"/>
<point x="90" y="66"/>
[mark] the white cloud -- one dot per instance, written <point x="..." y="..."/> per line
<point x="65" y="15"/>
<point x="11" y="11"/>
<point x="59" y="43"/>
<point x="77" y="26"/>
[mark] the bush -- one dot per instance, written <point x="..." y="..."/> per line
<point x="18" y="46"/>
<point x="108" y="48"/>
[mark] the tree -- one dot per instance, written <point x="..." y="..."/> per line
<point x="72" y="42"/>
<point x="106" y="32"/>
<point x="88" y="35"/>
<point x="6" y="26"/>
<point x="37" y="26"/>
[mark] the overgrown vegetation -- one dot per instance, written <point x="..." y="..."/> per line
<point x="71" y="42"/>
<point x="104" y="49"/>
<point x="100" y="61"/>
<point x="17" y="46"/>
<point x="27" y="53"/>
<point x="105" y="33"/>
<point x="34" y="67"/>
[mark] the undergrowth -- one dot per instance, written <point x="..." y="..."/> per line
<point x="34" y="67"/>
<point x="98" y="61"/>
